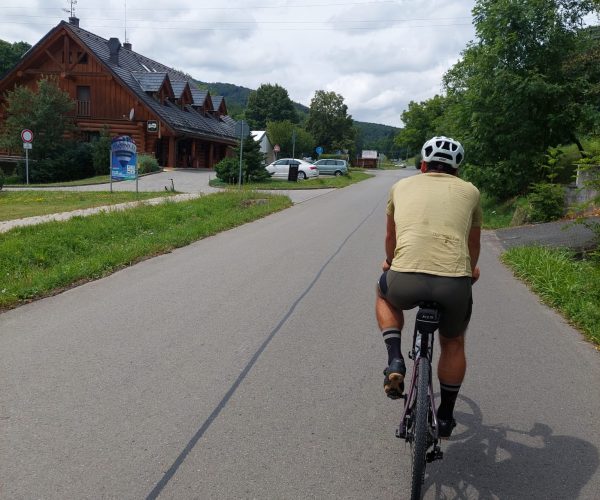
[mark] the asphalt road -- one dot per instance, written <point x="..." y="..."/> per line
<point x="248" y="365"/>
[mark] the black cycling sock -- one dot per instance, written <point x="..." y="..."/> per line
<point x="449" y="393"/>
<point x="391" y="337"/>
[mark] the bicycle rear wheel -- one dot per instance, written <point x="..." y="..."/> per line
<point x="420" y="430"/>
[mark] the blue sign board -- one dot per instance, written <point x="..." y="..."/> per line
<point x="319" y="150"/>
<point x="123" y="164"/>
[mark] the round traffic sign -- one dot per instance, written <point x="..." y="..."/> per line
<point x="319" y="150"/>
<point x="27" y="135"/>
<point x="276" y="148"/>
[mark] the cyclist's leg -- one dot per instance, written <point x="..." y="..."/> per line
<point x="390" y="321"/>
<point x="452" y="365"/>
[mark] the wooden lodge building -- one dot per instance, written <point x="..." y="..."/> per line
<point x="113" y="86"/>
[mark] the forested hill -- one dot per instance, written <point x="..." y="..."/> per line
<point x="371" y="135"/>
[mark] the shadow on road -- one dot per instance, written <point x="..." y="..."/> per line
<point x="499" y="462"/>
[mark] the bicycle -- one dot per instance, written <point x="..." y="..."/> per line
<point x="419" y="425"/>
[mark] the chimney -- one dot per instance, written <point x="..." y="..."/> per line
<point x="127" y="45"/>
<point x="114" y="45"/>
<point x="74" y="21"/>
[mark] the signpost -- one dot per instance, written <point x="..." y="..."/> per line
<point x="27" y="136"/>
<point x="319" y="150"/>
<point x="242" y="129"/>
<point x="276" y="150"/>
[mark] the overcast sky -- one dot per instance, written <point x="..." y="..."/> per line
<point x="378" y="54"/>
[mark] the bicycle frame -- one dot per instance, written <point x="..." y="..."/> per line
<point x="426" y="324"/>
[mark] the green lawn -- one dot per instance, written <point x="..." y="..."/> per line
<point x="564" y="282"/>
<point x="39" y="260"/>
<point x="19" y="204"/>
<point x="100" y="179"/>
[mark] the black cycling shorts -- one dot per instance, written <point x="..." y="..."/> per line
<point x="405" y="291"/>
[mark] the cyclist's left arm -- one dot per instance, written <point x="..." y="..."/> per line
<point x="474" y="244"/>
<point x="390" y="241"/>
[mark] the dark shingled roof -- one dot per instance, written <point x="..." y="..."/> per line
<point x="178" y="87"/>
<point x="143" y="75"/>
<point x="150" y="82"/>
<point x="199" y="96"/>
<point x="217" y="100"/>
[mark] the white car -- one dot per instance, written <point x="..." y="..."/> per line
<point x="280" y="169"/>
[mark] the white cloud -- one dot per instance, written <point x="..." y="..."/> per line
<point x="378" y="54"/>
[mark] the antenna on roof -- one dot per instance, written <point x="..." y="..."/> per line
<point x="126" y="22"/>
<point x="71" y="11"/>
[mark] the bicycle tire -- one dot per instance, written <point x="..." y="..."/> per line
<point x="420" y="430"/>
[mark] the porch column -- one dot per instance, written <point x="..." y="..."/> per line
<point x="194" y="159"/>
<point x="172" y="163"/>
<point x="211" y="155"/>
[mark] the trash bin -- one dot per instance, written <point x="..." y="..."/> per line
<point x="293" y="172"/>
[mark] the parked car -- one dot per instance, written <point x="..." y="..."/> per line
<point x="333" y="167"/>
<point x="280" y="169"/>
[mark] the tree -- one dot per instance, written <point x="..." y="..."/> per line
<point x="46" y="111"/>
<point x="510" y="97"/>
<point x="253" y="161"/>
<point x="253" y="168"/>
<point x="269" y="103"/>
<point x="282" y="133"/>
<point x="421" y="122"/>
<point x="100" y="149"/>
<point x="329" y="121"/>
<point x="10" y="53"/>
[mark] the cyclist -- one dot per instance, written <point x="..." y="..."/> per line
<point x="432" y="245"/>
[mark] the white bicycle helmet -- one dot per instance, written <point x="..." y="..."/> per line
<point x="443" y="149"/>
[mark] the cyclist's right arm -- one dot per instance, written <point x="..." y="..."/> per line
<point x="474" y="245"/>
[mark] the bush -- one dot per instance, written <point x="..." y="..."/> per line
<point x="147" y="164"/>
<point x="10" y="175"/>
<point x="545" y="202"/>
<point x="70" y="161"/>
<point x="101" y="153"/>
<point x="228" y="170"/>
<point x="502" y="180"/>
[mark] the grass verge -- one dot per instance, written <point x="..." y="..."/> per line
<point x="99" y="179"/>
<point x="37" y="261"/>
<point x="323" y="182"/>
<point x="562" y="281"/>
<point x="496" y="214"/>
<point x="19" y="204"/>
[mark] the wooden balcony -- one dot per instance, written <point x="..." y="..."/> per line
<point x="83" y="108"/>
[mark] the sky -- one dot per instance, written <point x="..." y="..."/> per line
<point x="377" y="54"/>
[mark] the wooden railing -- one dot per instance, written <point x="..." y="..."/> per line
<point x="83" y="108"/>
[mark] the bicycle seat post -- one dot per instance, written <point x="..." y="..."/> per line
<point x="427" y="322"/>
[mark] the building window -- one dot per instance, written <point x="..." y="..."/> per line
<point x="84" y="98"/>
<point x="90" y="136"/>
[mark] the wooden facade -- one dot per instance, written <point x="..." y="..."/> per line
<point x="114" y="87"/>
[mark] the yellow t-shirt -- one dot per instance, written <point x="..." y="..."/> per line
<point x="434" y="213"/>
